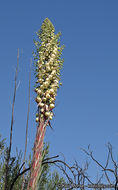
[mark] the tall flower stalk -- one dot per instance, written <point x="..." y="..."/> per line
<point x="48" y="62"/>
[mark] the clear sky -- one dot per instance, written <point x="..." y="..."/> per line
<point x="87" y="103"/>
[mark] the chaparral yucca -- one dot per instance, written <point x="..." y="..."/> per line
<point x="48" y="62"/>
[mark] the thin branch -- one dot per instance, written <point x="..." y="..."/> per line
<point x="43" y="162"/>
<point x="69" y="167"/>
<point x="17" y="176"/>
<point x="26" y="134"/>
<point x="12" y="122"/>
<point x="116" y="188"/>
<point x="21" y="166"/>
<point x="91" y="155"/>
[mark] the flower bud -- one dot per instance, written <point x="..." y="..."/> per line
<point x="39" y="91"/>
<point x="56" y="81"/>
<point x="41" y="115"/>
<point x="42" y="109"/>
<point x="52" y="106"/>
<point x="51" y="62"/>
<point x="51" y="91"/>
<point x="37" y="115"/>
<point x="53" y="55"/>
<point x="50" y="77"/>
<point x="53" y="72"/>
<point x="36" y="89"/>
<point x="52" y="100"/>
<point x="47" y="79"/>
<point x="47" y="114"/>
<point x="48" y="69"/>
<point x="41" y="104"/>
<point x="40" y="80"/>
<point x="51" y="113"/>
<point x="46" y="107"/>
<point x="51" y="59"/>
<point x="46" y="84"/>
<point x="37" y="119"/>
<point x="38" y="99"/>
<point x="44" y="99"/>
<point x="53" y="85"/>
<point x="42" y="87"/>
<point x="47" y="64"/>
<point x="47" y="96"/>
<point x="50" y="117"/>
<point x="55" y="49"/>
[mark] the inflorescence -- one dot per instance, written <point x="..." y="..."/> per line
<point x="48" y="65"/>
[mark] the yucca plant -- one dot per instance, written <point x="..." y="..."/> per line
<point x="48" y="63"/>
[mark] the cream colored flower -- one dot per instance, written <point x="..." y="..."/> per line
<point x="52" y="100"/>
<point x="52" y="106"/>
<point x="48" y="68"/>
<point x="53" y="55"/>
<point x="46" y="84"/>
<point x="44" y="99"/>
<point x="46" y="107"/>
<point x="37" y="119"/>
<point x="41" y="115"/>
<point x="51" y="59"/>
<point x="51" y="116"/>
<point x="41" y="81"/>
<point x="51" y="91"/>
<point x="51" y="62"/>
<point x="53" y="72"/>
<point x="47" y="64"/>
<point x="41" y="104"/>
<point x="50" y="76"/>
<point x="42" y="87"/>
<point x="47" y="114"/>
<point x="39" y="91"/>
<point x="47" y="96"/>
<point x="47" y="79"/>
<point x="42" y="110"/>
<point x="38" y="99"/>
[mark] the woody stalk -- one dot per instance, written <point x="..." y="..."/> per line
<point x="48" y="63"/>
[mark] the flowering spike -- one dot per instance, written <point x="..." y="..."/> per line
<point x="48" y="65"/>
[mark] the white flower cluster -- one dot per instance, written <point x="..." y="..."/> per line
<point x="48" y="79"/>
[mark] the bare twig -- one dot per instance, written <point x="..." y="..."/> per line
<point x="12" y="122"/>
<point x="26" y="134"/>
<point x="105" y="169"/>
<point x="78" y="178"/>
<point x="17" y="176"/>
<point x="76" y="171"/>
<point x="98" y="163"/>
<point x="45" y="160"/>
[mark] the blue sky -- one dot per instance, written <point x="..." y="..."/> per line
<point x="87" y="103"/>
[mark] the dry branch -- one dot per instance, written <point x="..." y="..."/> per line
<point x="26" y="134"/>
<point x="12" y="122"/>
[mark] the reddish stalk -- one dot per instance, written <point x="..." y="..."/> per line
<point x="37" y="156"/>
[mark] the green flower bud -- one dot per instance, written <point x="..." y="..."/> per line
<point x="37" y="119"/>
